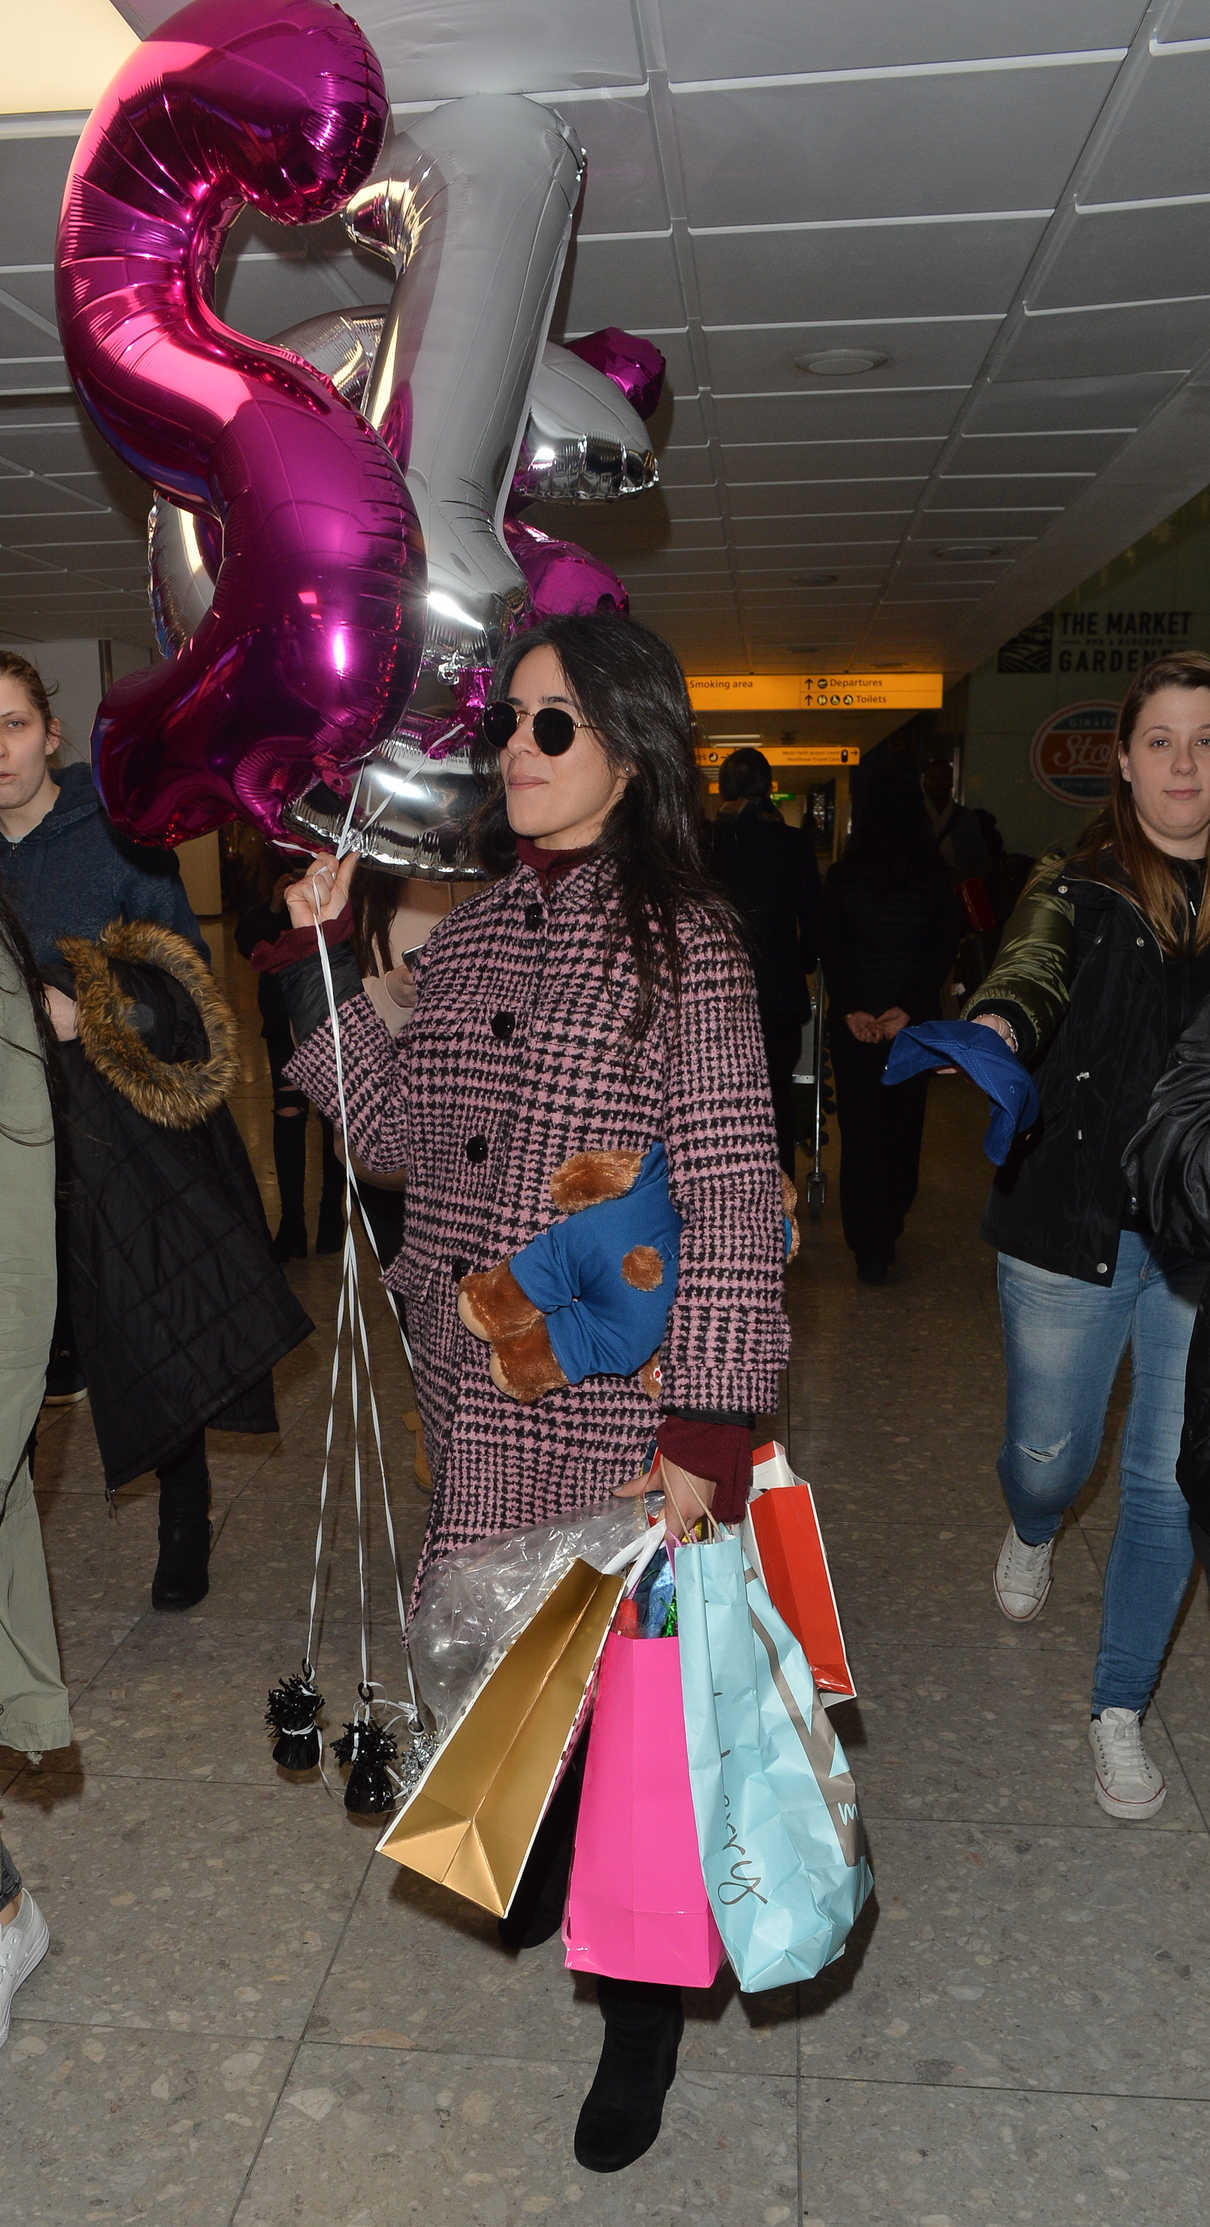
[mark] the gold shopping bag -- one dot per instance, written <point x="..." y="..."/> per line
<point x="471" y="1820"/>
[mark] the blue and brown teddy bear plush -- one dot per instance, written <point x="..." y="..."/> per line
<point x="590" y="1295"/>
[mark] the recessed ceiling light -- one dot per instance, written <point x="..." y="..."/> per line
<point x="966" y="552"/>
<point x="841" y="363"/>
<point x="814" y="579"/>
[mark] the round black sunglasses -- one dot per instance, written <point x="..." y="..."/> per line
<point x="553" y="730"/>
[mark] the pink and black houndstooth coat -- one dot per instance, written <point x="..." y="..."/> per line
<point x="517" y="1057"/>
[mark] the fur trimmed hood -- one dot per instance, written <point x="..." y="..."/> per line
<point x="172" y="1093"/>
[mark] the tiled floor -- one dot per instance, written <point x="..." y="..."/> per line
<point x="246" y="2020"/>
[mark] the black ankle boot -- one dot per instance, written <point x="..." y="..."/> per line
<point x="621" y="2114"/>
<point x="290" y="1242"/>
<point x="330" y="1228"/>
<point x="182" y="1574"/>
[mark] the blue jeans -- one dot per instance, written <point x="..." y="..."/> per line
<point x="1063" y="1341"/>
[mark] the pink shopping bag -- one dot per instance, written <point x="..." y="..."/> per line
<point x="636" y="1904"/>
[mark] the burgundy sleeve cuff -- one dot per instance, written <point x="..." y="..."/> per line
<point x="300" y="943"/>
<point x="721" y="1452"/>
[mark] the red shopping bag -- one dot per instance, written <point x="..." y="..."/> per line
<point x="636" y="1904"/>
<point x="789" y="1553"/>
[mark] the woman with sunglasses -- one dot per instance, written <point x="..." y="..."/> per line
<point x="595" y="997"/>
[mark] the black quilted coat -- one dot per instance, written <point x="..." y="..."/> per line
<point x="1168" y="1165"/>
<point x="179" y="1309"/>
<point x="1080" y="976"/>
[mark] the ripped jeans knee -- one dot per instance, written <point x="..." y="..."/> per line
<point x="1043" y="1454"/>
<point x="1040" y="1475"/>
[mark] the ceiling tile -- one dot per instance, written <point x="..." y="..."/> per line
<point x="1008" y="527"/>
<point x="755" y="359"/>
<point x="688" y="502"/>
<point x="1185" y="19"/>
<point x="934" y="268"/>
<point x="1060" y="405"/>
<point x="833" y="461"/>
<point x="1158" y="144"/>
<point x="1090" y="343"/>
<point x="1033" y="452"/>
<point x="33" y="290"/>
<point x="630" y="281"/>
<point x="29" y="497"/>
<point x="624" y="531"/>
<point x="816" y="534"/>
<point x="765" y="499"/>
<point x="924" y="414"/>
<point x="679" y="419"/>
<point x="686" y="467"/>
<point x="985" y="491"/>
<point x="772" y="37"/>
<point x="1127" y="255"/>
<point x="29" y="211"/>
<point x="32" y="372"/>
<point x="621" y="192"/>
<point x="1010" y="137"/>
<point x="432" y="50"/>
<point x="91" y="527"/>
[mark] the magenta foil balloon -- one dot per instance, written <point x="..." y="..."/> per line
<point x="634" y="364"/>
<point x="561" y="576"/>
<point x="312" y="644"/>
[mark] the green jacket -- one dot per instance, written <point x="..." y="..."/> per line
<point x="33" y="1701"/>
<point x="1030" y="981"/>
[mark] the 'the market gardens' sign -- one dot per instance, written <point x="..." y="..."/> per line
<point x="1072" y="753"/>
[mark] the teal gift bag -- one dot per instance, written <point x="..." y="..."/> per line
<point x="779" y="1831"/>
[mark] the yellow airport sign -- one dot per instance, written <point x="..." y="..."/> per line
<point x="814" y="691"/>
<point x="786" y="753"/>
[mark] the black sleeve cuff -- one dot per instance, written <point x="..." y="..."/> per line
<point x="1016" y="1016"/>
<point x="302" y="985"/>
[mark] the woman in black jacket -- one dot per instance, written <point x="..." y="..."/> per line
<point x="889" y="928"/>
<point x="1100" y="969"/>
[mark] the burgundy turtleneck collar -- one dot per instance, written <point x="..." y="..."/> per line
<point x="550" y="866"/>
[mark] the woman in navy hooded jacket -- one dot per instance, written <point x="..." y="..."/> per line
<point x="165" y="1267"/>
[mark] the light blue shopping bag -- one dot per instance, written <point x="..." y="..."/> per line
<point x="779" y="1831"/>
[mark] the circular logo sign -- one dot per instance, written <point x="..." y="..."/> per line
<point x="1071" y="756"/>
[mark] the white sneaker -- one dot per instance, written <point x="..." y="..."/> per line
<point x="1022" y="1577"/>
<point x="1128" y="1783"/>
<point x="23" y="1944"/>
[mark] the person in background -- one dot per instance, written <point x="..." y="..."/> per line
<point x="768" y="870"/>
<point x="178" y="1312"/>
<point x="889" y="928"/>
<point x="956" y="829"/>
<point x="595" y="997"/>
<point x="1101" y="968"/>
<point x="35" y="1713"/>
<point x="67" y="870"/>
<point x="262" y="921"/>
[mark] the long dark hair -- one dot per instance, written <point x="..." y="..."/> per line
<point x="374" y="902"/>
<point x="629" y="689"/>
<point x="12" y="936"/>
<point x="1117" y="835"/>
